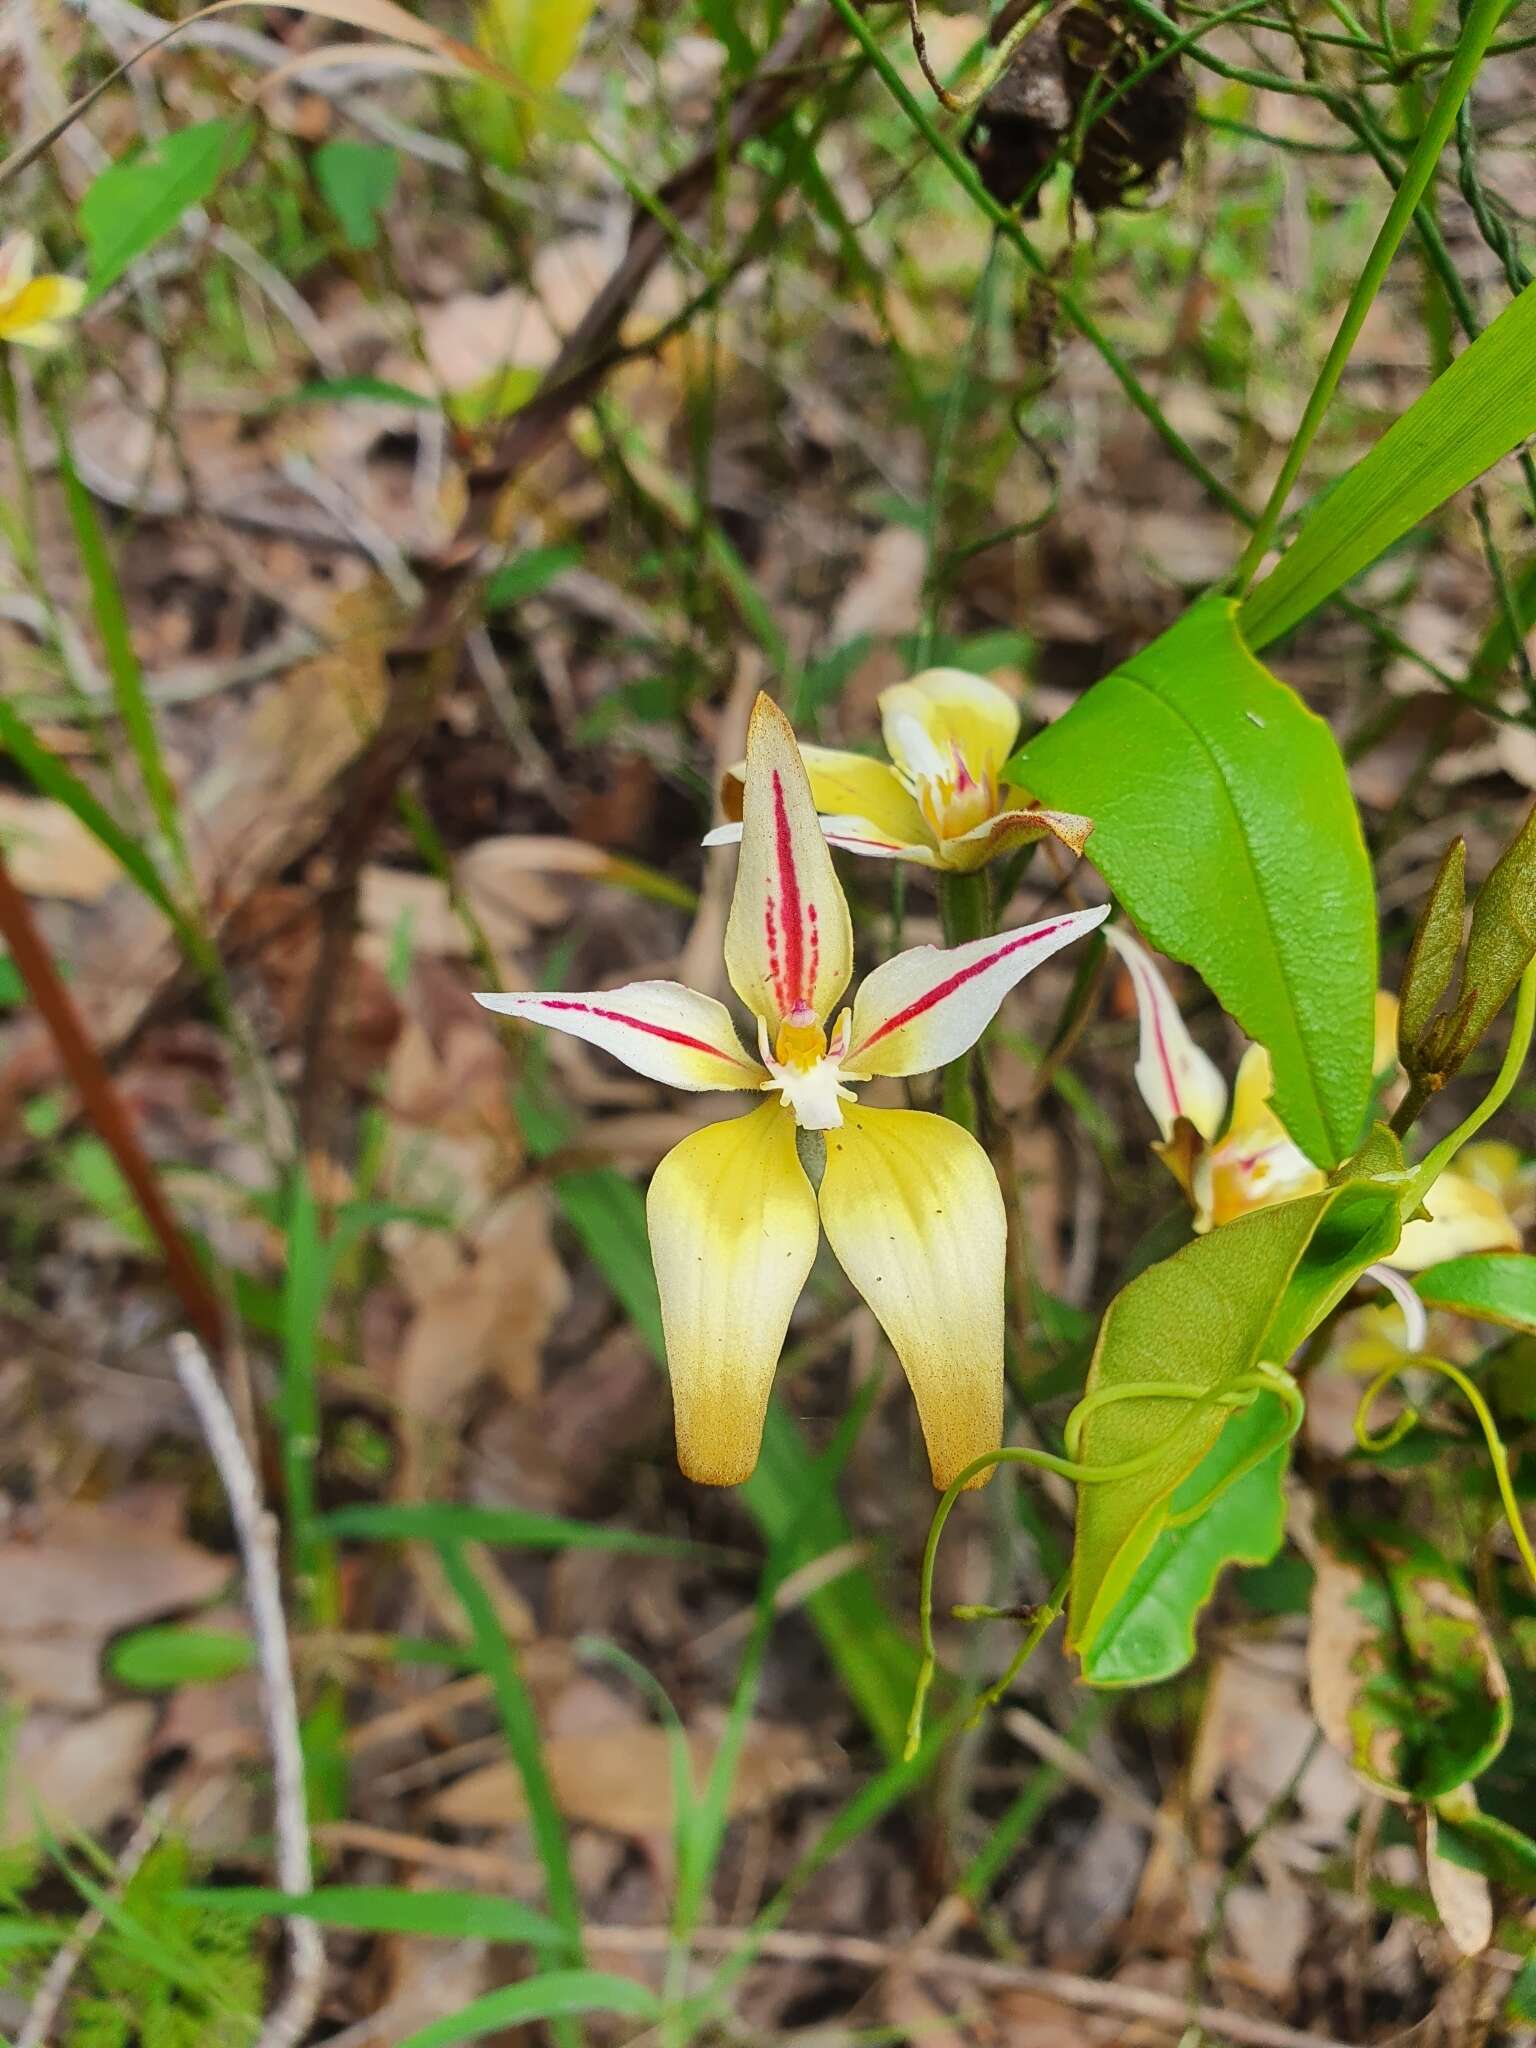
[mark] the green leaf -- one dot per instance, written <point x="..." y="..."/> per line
<point x="1473" y="414"/>
<point x="1199" y="1318"/>
<point x="1406" y="1682"/>
<point x="1223" y="821"/>
<point x="357" y="181"/>
<point x="1492" y="1846"/>
<point x="156" y="1659"/>
<point x="130" y="206"/>
<point x="527" y="574"/>
<point x="1502" y="940"/>
<point x="514" y="1528"/>
<point x="381" y="1909"/>
<point x="540" y="1998"/>
<point x="1493" y="1287"/>
<point x="378" y="390"/>
<point x="1150" y="1633"/>
<point x="1360" y="1223"/>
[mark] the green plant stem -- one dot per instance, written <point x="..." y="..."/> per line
<point x="1519" y="1045"/>
<point x="965" y="912"/>
<point x="1482" y="21"/>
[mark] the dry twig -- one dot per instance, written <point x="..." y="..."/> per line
<point x="256" y="1532"/>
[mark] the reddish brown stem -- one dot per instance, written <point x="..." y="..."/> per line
<point x="105" y="1109"/>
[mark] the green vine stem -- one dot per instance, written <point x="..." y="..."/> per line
<point x="1240" y="1394"/>
<point x="1396" y="1431"/>
<point x="1436" y="1161"/>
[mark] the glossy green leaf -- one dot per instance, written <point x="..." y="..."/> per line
<point x="1473" y="414"/>
<point x="357" y="180"/>
<point x="1359" y="1224"/>
<point x="156" y="1659"/>
<point x="557" y="1992"/>
<point x="131" y="206"/>
<point x="1150" y="1632"/>
<point x="383" y="1909"/>
<point x="1494" y="1287"/>
<point x="1199" y="1318"/>
<point x="1406" y="1682"/>
<point x="1223" y="821"/>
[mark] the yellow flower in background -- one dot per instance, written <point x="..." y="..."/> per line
<point x="909" y="1202"/>
<point x="1231" y="1163"/>
<point x="32" y="309"/>
<point x="940" y="799"/>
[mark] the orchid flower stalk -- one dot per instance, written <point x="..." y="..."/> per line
<point x="940" y="800"/>
<point x="1233" y="1157"/>
<point x="909" y="1201"/>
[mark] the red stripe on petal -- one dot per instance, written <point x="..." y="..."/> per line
<point x="642" y="1024"/>
<point x="957" y="980"/>
<point x="791" y="988"/>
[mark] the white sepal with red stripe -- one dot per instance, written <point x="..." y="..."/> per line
<point x="789" y="942"/>
<point x="659" y="1028"/>
<point x="928" y="1006"/>
<point x="1175" y="1077"/>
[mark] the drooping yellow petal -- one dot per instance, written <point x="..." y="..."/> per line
<point x="845" y="786"/>
<point x="932" y="1003"/>
<point x="911" y="1208"/>
<point x="788" y="943"/>
<point x="1008" y="830"/>
<point x="661" y="1029"/>
<point x="1463" y="1217"/>
<point x="32" y="315"/>
<point x="732" y="1223"/>
<point x="1175" y="1077"/>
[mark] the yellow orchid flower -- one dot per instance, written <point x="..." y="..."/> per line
<point x="32" y="309"/>
<point x="940" y="799"/>
<point x="909" y="1202"/>
<point x="1229" y="1164"/>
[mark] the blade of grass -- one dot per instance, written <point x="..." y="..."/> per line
<point x="442" y="1522"/>
<point x="520" y="1725"/>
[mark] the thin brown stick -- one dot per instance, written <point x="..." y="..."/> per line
<point x="256" y="1533"/>
<point x="1161" y="2008"/>
<point x="105" y="1108"/>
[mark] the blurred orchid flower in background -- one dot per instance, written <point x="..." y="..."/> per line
<point x="909" y="1201"/>
<point x="940" y="799"/>
<point x="1229" y="1164"/>
<point x="32" y="309"/>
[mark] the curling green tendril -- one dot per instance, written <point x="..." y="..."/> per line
<point x="1396" y="1431"/>
<point x="1241" y="1393"/>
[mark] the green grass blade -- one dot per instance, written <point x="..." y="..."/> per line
<point x="512" y="1528"/>
<point x="557" y="1994"/>
<point x="383" y="1909"/>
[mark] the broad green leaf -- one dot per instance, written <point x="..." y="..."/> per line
<point x="1473" y="414"/>
<point x="381" y="1909"/>
<point x="1150" y="1633"/>
<point x="1493" y="1846"/>
<point x="358" y="181"/>
<point x="1199" y="1318"/>
<point x="156" y="1659"/>
<point x="1406" y="1682"/>
<point x="1493" y="1287"/>
<point x="540" y="1998"/>
<point x="130" y="206"/>
<point x="1359" y="1224"/>
<point x="1223" y="821"/>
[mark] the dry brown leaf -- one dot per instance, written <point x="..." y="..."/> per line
<point x="78" y="1774"/>
<point x="621" y="1779"/>
<point x="50" y="853"/>
<point x="89" y="1570"/>
<point x="1462" y="1897"/>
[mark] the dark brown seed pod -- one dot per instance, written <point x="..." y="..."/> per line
<point x="1051" y="92"/>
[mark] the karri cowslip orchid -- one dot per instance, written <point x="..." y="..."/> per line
<point x="33" y="308"/>
<point x="909" y="1201"/>
<point x="940" y="800"/>
<point x="1254" y="1161"/>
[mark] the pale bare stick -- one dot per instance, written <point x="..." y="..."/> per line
<point x="256" y="1533"/>
<point x="49" y="1996"/>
